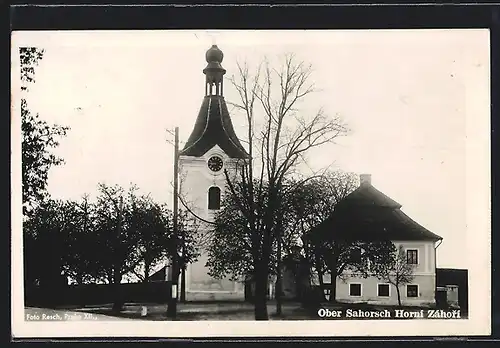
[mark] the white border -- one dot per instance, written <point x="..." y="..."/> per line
<point x="478" y="215"/>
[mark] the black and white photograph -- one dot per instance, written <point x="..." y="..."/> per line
<point x="250" y="183"/>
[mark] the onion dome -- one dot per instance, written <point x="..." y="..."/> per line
<point x="214" y="55"/>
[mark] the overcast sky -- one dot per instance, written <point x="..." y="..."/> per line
<point x="403" y="93"/>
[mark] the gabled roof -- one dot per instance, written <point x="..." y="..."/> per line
<point x="368" y="214"/>
<point x="213" y="127"/>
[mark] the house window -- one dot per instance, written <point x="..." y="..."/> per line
<point x="355" y="290"/>
<point x="214" y="198"/>
<point x="411" y="290"/>
<point x="412" y="256"/>
<point x="383" y="290"/>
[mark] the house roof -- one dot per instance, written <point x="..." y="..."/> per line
<point x="368" y="195"/>
<point x="368" y="214"/>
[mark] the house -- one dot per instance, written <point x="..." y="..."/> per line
<point x="369" y="215"/>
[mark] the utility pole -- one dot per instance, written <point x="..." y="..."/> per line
<point x="183" y="270"/>
<point x="172" y="304"/>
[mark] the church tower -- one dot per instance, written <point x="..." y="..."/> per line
<point x="211" y="149"/>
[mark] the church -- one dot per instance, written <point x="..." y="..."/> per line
<point x="211" y="149"/>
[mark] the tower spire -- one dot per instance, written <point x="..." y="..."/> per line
<point x="213" y="125"/>
<point x="214" y="71"/>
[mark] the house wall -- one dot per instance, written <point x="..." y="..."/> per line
<point x="369" y="286"/>
<point x="424" y="277"/>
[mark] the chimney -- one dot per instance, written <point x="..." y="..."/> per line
<point x="365" y="179"/>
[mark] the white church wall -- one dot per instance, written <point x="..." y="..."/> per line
<point x="195" y="181"/>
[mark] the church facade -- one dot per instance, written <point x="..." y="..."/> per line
<point x="211" y="150"/>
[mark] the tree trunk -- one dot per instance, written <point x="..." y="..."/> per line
<point x="183" y="284"/>
<point x="321" y="284"/>
<point x="147" y="268"/>
<point x="333" y="286"/>
<point x="279" y="291"/>
<point x="279" y="281"/>
<point x="118" y="302"/>
<point x="260" y="299"/>
<point x="399" y="296"/>
<point x="320" y="274"/>
<point x="249" y="296"/>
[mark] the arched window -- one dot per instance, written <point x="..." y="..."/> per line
<point x="214" y="198"/>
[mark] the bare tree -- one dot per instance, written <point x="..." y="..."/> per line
<point x="275" y="147"/>
<point x="398" y="272"/>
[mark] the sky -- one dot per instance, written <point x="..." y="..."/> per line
<point x="407" y="97"/>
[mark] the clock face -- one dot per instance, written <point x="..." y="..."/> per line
<point x="215" y="163"/>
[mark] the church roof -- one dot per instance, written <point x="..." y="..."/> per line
<point x="213" y="127"/>
<point x="369" y="214"/>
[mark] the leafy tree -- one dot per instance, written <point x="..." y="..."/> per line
<point x="45" y="239"/>
<point x="133" y="233"/>
<point x="118" y="240"/>
<point x="57" y="244"/>
<point x="189" y="234"/>
<point x="397" y="271"/>
<point x="120" y="233"/>
<point x="80" y="263"/>
<point x="310" y="204"/>
<point x="29" y="59"/>
<point x="230" y="249"/>
<point x="38" y="138"/>
<point x="154" y="224"/>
